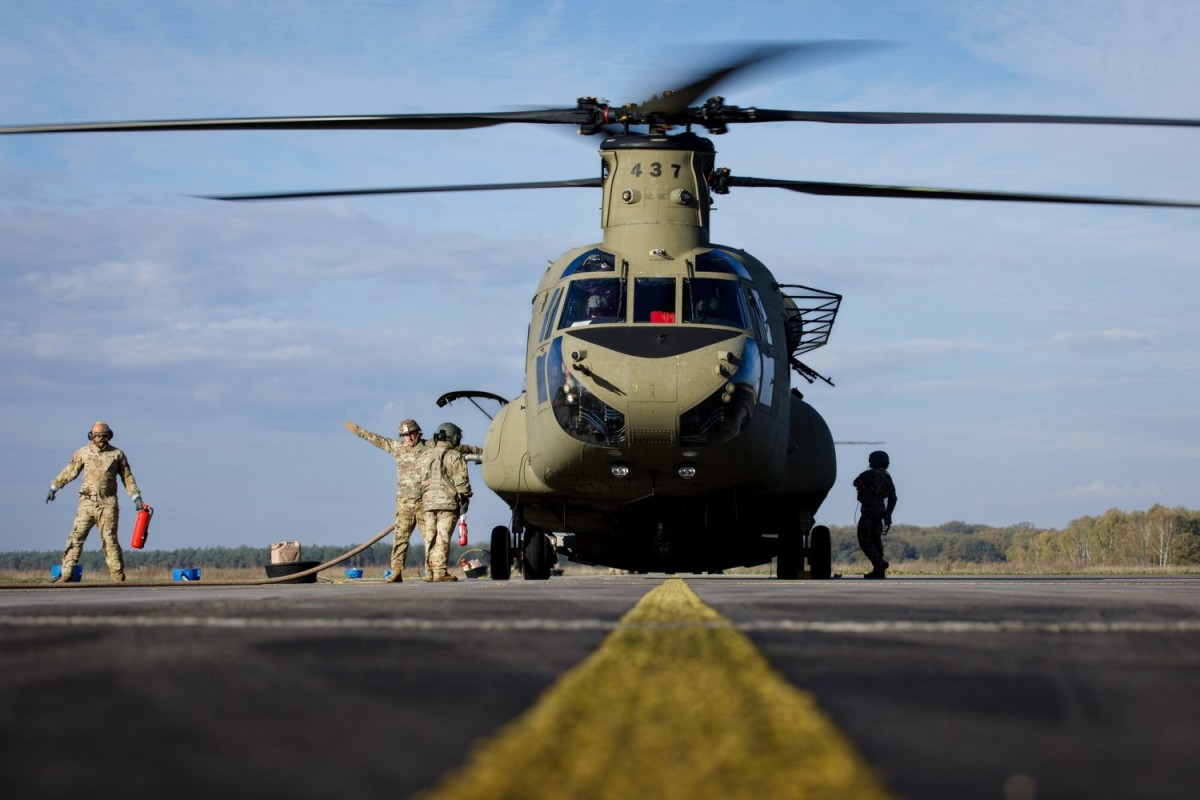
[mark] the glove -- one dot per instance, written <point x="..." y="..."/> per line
<point x="50" y="494"/>
<point x="138" y="504"/>
<point x="464" y="500"/>
<point x="887" y="524"/>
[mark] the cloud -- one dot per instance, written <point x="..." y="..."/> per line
<point x="1103" y="493"/>
<point x="1104" y="342"/>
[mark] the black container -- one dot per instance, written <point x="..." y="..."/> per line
<point x="279" y="570"/>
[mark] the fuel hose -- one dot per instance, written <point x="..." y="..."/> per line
<point x="333" y="562"/>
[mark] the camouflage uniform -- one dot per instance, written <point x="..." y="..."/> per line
<point x="408" y="490"/>
<point x="100" y="464"/>
<point x="877" y="496"/>
<point x="445" y="485"/>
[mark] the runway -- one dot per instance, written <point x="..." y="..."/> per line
<point x="1014" y="688"/>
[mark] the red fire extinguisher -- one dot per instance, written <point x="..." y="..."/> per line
<point x="141" y="527"/>
<point x="462" y="531"/>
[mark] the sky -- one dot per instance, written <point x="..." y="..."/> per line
<point x="1022" y="363"/>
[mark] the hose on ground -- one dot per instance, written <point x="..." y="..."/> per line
<point x="333" y="562"/>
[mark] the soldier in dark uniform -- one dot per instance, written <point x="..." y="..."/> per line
<point x="877" y="497"/>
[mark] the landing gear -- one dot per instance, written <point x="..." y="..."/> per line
<point x="537" y="556"/>
<point x="501" y="553"/>
<point x="792" y="552"/>
<point x="790" y="560"/>
<point x="532" y="549"/>
<point x="820" y="553"/>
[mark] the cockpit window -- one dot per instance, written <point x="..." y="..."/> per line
<point x="763" y="322"/>
<point x="593" y="301"/>
<point x="594" y="260"/>
<point x="549" y="318"/>
<point x="708" y="301"/>
<point x="654" y="300"/>
<point x="720" y="261"/>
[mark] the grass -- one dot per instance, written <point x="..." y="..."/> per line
<point x="849" y="568"/>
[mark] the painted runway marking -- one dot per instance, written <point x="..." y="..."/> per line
<point x="674" y="704"/>
<point x="785" y="626"/>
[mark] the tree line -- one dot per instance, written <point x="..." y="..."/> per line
<point x="379" y="555"/>
<point x="1158" y="537"/>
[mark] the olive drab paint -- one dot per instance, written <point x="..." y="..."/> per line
<point x="718" y="461"/>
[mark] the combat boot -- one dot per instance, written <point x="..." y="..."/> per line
<point x="118" y="577"/>
<point x="444" y="579"/>
<point x="395" y="577"/>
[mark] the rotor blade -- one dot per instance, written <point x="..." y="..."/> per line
<point x="676" y="101"/>
<point x="927" y="193"/>
<point x="549" y="116"/>
<point x="908" y="118"/>
<point x="587" y="183"/>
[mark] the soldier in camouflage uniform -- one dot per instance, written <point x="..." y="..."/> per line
<point x="407" y="451"/>
<point x="445" y="494"/>
<point x="877" y="496"/>
<point x="101" y="465"/>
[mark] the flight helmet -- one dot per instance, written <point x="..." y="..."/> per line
<point x="449" y="432"/>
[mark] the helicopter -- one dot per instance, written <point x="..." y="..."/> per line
<point x="658" y="429"/>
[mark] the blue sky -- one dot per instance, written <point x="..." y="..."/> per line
<point x="1024" y="363"/>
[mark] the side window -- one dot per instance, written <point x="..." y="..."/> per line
<point x="548" y="320"/>
<point x="543" y="395"/>
<point x="654" y="300"/>
<point x="761" y="323"/>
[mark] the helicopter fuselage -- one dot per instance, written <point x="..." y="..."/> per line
<point x="658" y="429"/>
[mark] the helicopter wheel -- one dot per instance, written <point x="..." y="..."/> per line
<point x="790" y="561"/>
<point x="536" y="556"/>
<point x="501" y="554"/>
<point x="820" y="553"/>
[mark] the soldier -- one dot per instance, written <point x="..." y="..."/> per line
<point x="445" y="494"/>
<point x="407" y="451"/>
<point x="877" y="496"/>
<point x="101" y="464"/>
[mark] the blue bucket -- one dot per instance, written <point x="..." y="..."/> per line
<point x="186" y="574"/>
<point x="76" y="572"/>
<point x="353" y="572"/>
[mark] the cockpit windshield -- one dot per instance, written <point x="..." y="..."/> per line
<point x="593" y="301"/>
<point x="708" y="301"/>
<point x="654" y="300"/>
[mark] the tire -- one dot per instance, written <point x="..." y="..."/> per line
<point x="535" y="556"/>
<point x="820" y="553"/>
<point x="501" y="554"/>
<point x="790" y="560"/>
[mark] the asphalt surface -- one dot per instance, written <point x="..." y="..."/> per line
<point x="951" y="688"/>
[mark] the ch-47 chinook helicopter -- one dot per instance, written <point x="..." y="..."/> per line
<point x="658" y="430"/>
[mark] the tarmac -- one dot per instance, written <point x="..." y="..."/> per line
<point x="942" y="687"/>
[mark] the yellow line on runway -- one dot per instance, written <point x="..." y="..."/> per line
<point x="674" y="704"/>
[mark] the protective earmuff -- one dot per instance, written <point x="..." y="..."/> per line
<point x="90" y="439"/>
